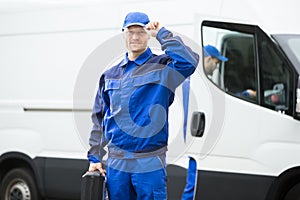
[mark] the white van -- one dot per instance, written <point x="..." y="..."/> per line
<point x="53" y="52"/>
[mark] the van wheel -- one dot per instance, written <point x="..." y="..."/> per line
<point x="18" y="184"/>
<point x="293" y="193"/>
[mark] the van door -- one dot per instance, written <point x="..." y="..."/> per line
<point x="258" y="86"/>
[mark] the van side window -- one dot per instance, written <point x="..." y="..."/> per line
<point x="256" y="71"/>
<point x="276" y="79"/>
<point x="238" y="75"/>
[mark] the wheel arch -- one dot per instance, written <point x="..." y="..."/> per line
<point x="12" y="160"/>
<point x="283" y="183"/>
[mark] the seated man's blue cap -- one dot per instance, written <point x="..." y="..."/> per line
<point x="135" y="18"/>
<point x="213" y="52"/>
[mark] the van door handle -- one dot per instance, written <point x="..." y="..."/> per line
<point x="198" y="124"/>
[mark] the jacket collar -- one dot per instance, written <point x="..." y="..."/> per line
<point x="140" y="60"/>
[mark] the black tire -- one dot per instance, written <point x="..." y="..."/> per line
<point x="286" y="186"/>
<point x="19" y="184"/>
<point x="293" y="193"/>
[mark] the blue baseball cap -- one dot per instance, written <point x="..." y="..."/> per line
<point x="135" y="18"/>
<point x="213" y="52"/>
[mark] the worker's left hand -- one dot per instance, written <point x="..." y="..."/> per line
<point x="153" y="27"/>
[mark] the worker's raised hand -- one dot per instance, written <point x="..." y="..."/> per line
<point x="153" y="27"/>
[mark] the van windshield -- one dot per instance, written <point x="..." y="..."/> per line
<point x="291" y="46"/>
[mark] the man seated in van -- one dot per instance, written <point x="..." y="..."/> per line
<point x="212" y="57"/>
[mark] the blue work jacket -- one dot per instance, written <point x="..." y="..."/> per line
<point x="130" y="113"/>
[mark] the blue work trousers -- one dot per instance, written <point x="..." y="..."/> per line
<point x="131" y="185"/>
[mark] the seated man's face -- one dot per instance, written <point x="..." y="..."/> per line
<point x="210" y="64"/>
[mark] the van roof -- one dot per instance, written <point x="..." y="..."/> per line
<point x="275" y="17"/>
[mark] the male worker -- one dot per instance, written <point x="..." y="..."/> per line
<point x="130" y="113"/>
<point x="212" y="57"/>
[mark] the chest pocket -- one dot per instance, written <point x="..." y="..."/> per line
<point x="112" y="88"/>
<point x="152" y="77"/>
<point x="112" y="84"/>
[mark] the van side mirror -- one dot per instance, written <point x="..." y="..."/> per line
<point x="276" y="97"/>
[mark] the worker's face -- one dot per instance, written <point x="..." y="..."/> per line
<point x="210" y="64"/>
<point x="136" y="39"/>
